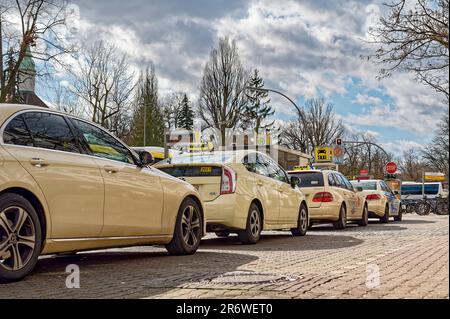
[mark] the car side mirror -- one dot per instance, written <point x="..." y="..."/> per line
<point x="295" y="181"/>
<point x="359" y="189"/>
<point x="146" y="158"/>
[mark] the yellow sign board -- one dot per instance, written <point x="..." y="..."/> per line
<point x="324" y="154"/>
<point x="434" y="177"/>
<point x="302" y="168"/>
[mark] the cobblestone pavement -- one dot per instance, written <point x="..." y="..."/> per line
<point x="399" y="260"/>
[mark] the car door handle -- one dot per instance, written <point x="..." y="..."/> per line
<point x="259" y="183"/>
<point x="38" y="162"/>
<point x="111" y="170"/>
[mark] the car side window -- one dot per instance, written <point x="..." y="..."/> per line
<point x="347" y="183"/>
<point x="331" y="180"/>
<point x="102" y="144"/>
<point x="342" y="181"/>
<point x="16" y="133"/>
<point x="51" y="131"/>
<point x="253" y="165"/>
<point x="274" y="170"/>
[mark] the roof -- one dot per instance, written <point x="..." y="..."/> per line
<point x="30" y="98"/>
<point x="293" y="152"/>
<point x="6" y="110"/>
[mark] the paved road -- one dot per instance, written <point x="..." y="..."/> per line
<point x="399" y="260"/>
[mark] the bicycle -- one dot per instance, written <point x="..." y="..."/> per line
<point x="437" y="206"/>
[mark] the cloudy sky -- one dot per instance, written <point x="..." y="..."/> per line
<point x="305" y="48"/>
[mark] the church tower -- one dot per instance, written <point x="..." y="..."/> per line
<point x="27" y="74"/>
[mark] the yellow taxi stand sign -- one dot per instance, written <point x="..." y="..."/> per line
<point x="323" y="154"/>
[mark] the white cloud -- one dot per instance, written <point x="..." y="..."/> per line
<point x="304" y="48"/>
<point x="401" y="146"/>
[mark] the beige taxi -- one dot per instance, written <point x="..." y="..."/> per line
<point x="382" y="201"/>
<point x="332" y="198"/>
<point x="243" y="192"/>
<point x="67" y="185"/>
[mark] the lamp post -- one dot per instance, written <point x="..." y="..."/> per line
<point x="276" y="92"/>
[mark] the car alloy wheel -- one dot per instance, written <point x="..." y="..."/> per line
<point x="303" y="219"/>
<point x="191" y="226"/>
<point x="255" y="223"/>
<point x="17" y="238"/>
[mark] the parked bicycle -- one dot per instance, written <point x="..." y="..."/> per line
<point x="426" y="206"/>
<point x="438" y="205"/>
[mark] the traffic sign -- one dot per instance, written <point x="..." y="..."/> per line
<point x="391" y="168"/>
<point x="363" y="172"/>
<point x="338" y="152"/>
<point x="324" y="154"/>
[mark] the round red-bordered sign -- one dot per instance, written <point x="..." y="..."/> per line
<point x="391" y="168"/>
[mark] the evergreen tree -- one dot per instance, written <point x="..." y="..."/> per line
<point x="148" y="120"/>
<point x="258" y="108"/>
<point x="186" y="120"/>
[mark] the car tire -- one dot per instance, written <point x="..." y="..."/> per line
<point x="342" y="222"/>
<point x="223" y="234"/>
<point x="302" y="224"/>
<point x="386" y="217"/>
<point x="399" y="217"/>
<point x="188" y="229"/>
<point x="252" y="234"/>
<point x="20" y="237"/>
<point x="365" y="218"/>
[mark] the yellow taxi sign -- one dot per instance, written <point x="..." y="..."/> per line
<point x="302" y="168"/>
<point x="206" y="170"/>
<point x="323" y="154"/>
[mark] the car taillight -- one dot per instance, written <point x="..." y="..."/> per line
<point x="228" y="181"/>
<point x="324" y="197"/>
<point x="373" y="197"/>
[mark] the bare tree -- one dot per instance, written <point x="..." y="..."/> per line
<point x="26" y="24"/>
<point x="63" y="98"/>
<point x="222" y="97"/>
<point x="316" y="125"/>
<point x="416" y="40"/>
<point x="364" y="156"/>
<point x="104" y="84"/>
<point x="412" y="166"/>
<point x="172" y="107"/>
<point x="436" y="154"/>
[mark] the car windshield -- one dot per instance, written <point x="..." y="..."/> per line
<point x="199" y="158"/>
<point x="310" y="179"/>
<point x="367" y="186"/>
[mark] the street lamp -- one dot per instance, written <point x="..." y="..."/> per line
<point x="250" y="88"/>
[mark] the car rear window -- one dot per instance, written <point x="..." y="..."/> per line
<point x="367" y="186"/>
<point x="193" y="171"/>
<point x="310" y="179"/>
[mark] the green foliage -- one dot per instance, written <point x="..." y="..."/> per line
<point x="258" y="108"/>
<point x="148" y="120"/>
<point x="186" y="120"/>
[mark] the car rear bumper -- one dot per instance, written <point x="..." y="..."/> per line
<point x="376" y="209"/>
<point x="326" y="212"/>
<point x="227" y="212"/>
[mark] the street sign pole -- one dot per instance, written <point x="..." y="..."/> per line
<point x="423" y="184"/>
